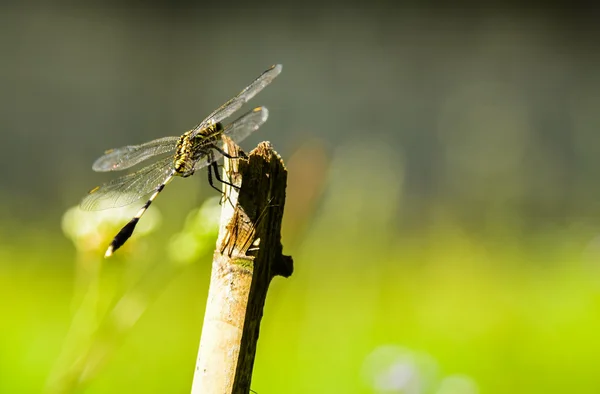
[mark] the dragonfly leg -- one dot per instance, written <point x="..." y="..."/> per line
<point x="227" y="155"/>
<point x="215" y="168"/>
<point x="210" y="179"/>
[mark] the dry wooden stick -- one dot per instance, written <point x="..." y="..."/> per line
<point x="247" y="257"/>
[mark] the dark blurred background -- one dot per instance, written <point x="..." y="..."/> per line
<point x="442" y="201"/>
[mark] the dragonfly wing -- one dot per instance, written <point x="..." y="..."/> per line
<point x="239" y="129"/>
<point x="128" y="156"/>
<point x="246" y="124"/>
<point x="207" y="159"/>
<point x="243" y="97"/>
<point x="129" y="188"/>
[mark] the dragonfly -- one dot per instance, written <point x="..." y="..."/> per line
<point x="180" y="156"/>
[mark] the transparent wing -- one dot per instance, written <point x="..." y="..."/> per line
<point x="129" y="188"/>
<point x="130" y="155"/>
<point x="208" y="158"/>
<point x="243" y="97"/>
<point x="238" y="130"/>
<point x="246" y="124"/>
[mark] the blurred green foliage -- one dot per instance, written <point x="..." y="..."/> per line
<point x="366" y="311"/>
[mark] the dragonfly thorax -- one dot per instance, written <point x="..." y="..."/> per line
<point x="196" y="145"/>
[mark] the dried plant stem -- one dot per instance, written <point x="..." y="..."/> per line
<point x="247" y="257"/>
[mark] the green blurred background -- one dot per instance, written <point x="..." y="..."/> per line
<point x="442" y="204"/>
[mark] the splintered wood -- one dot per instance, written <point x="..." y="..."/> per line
<point x="247" y="257"/>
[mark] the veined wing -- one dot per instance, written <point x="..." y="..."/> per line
<point x="243" y="97"/>
<point x="238" y="130"/>
<point x="246" y="124"/>
<point x="129" y="188"/>
<point x="130" y="155"/>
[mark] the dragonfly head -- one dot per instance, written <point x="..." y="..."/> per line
<point x="212" y="132"/>
<point x="218" y="127"/>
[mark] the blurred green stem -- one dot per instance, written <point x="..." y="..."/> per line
<point x="65" y="374"/>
